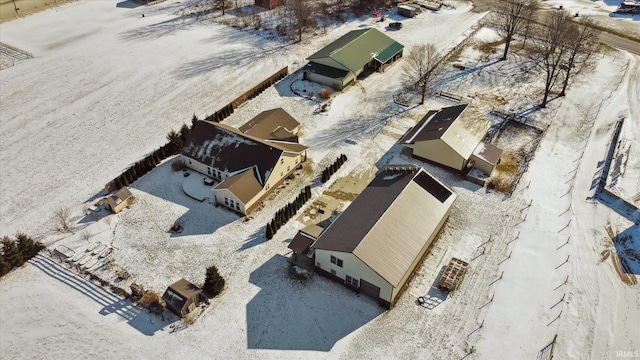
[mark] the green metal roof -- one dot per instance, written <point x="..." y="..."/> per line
<point x="356" y="48"/>
<point x="389" y="52"/>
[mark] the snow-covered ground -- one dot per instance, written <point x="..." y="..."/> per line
<point x="78" y="113"/>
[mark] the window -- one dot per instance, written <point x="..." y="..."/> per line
<point x="333" y="272"/>
<point x="288" y="168"/>
<point x="189" y="161"/>
<point x="231" y="201"/>
<point x="335" y="260"/>
<point x="237" y="206"/>
<point x="296" y="161"/>
<point x="209" y="170"/>
<point x="226" y="201"/>
<point x="281" y="161"/>
<point x="352" y="281"/>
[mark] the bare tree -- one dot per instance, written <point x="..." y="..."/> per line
<point x="420" y="67"/>
<point x="513" y="17"/>
<point x="300" y="16"/>
<point x="551" y="48"/>
<point x="222" y="5"/>
<point x="85" y="234"/>
<point x="583" y="43"/>
<point x="61" y="217"/>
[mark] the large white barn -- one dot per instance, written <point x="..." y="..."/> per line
<point x="375" y="245"/>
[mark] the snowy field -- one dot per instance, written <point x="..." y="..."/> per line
<point x="78" y="113"/>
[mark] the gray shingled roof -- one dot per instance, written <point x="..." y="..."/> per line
<point x="225" y="148"/>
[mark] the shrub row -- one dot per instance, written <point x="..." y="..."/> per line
<point x="283" y="215"/>
<point x="15" y="252"/>
<point x="175" y="141"/>
<point x="331" y="169"/>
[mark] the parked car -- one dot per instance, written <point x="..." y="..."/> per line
<point x="396" y="25"/>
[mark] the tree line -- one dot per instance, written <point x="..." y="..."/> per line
<point x="17" y="251"/>
<point x="559" y="46"/>
<point x="283" y="215"/>
<point x="333" y="168"/>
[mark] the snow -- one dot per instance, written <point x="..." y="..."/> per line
<point x="78" y="114"/>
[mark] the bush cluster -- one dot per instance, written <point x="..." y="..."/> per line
<point x="283" y="215"/>
<point x="213" y="282"/>
<point x="15" y="252"/>
<point x="331" y="169"/>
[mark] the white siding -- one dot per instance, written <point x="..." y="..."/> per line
<point x="355" y="268"/>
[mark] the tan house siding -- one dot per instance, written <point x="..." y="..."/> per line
<point x="439" y="152"/>
<point x="353" y="267"/>
<point x="286" y="164"/>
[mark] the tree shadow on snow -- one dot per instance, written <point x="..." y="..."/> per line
<point x="138" y="318"/>
<point x="289" y="315"/>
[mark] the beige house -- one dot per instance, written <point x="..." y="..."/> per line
<point x="452" y="137"/>
<point x="120" y="200"/>
<point x="376" y="244"/>
<point x="248" y="167"/>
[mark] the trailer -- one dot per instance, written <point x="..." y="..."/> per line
<point x="453" y="274"/>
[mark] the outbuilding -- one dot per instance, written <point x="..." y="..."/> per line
<point x="377" y="243"/>
<point x="453" y="137"/>
<point x="407" y="10"/>
<point x="182" y="297"/>
<point x="339" y="63"/>
<point x="120" y="200"/>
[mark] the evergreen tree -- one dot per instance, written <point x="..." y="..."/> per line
<point x="26" y="246"/>
<point x="10" y="252"/>
<point x="118" y="183"/>
<point x="194" y="120"/>
<point x="273" y="226"/>
<point x="213" y="283"/>
<point x="185" y="130"/>
<point x="334" y="168"/>
<point x="325" y="176"/>
<point x="269" y="232"/>
<point x="308" y="191"/>
<point x="5" y="267"/>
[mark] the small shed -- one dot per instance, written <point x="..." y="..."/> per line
<point x="182" y="297"/>
<point x="453" y="274"/>
<point x="301" y="245"/>
<point x="407" y="11"/>
<point x="118" y="201"/>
